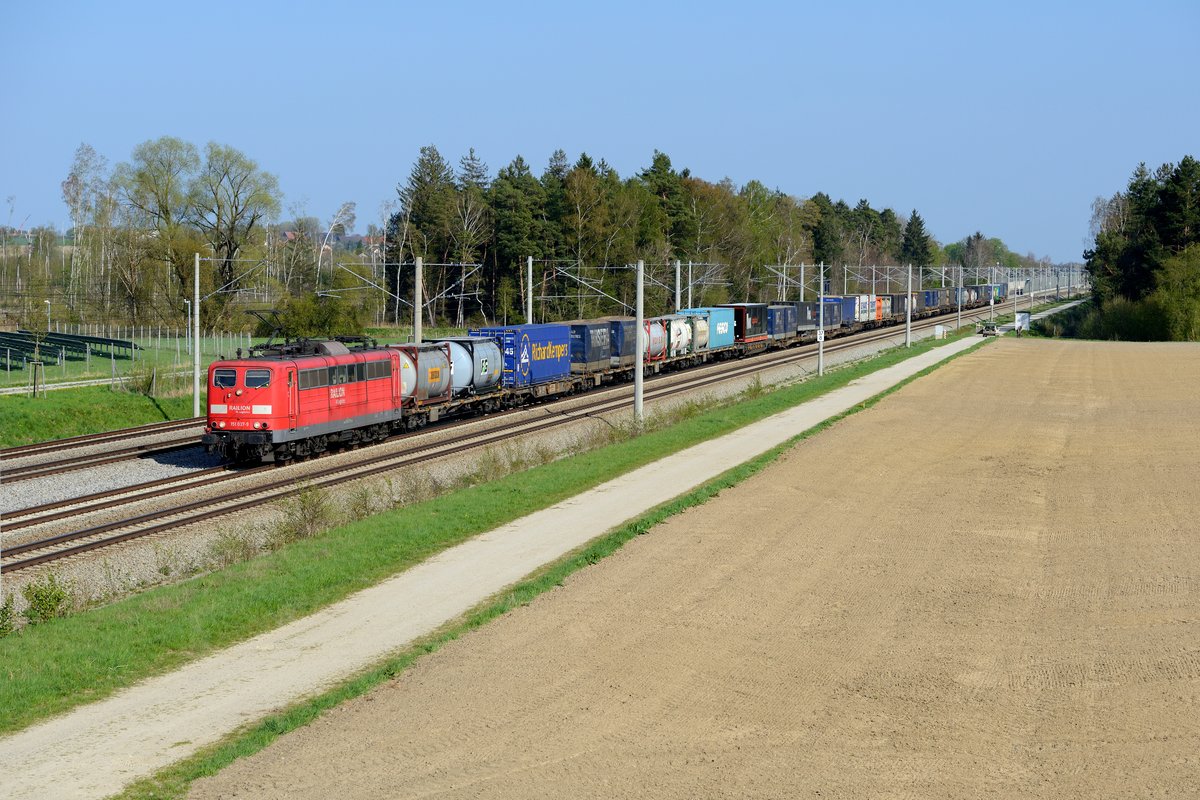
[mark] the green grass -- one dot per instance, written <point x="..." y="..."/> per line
<point x="58" y="665"/>
<point x="74" y="412"/>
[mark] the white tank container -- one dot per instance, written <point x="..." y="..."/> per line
<point x="474" y="364"/>
<point x="655" y="338"/>
<point x="679" y="336"/>
<point x="699" y="332"/>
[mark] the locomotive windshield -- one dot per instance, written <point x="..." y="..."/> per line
<point x="224" y="378"/>
<point x="258" y="378"/>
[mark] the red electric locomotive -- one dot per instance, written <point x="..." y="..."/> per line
<point x="299" y="398"/>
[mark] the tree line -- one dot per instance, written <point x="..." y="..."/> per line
<point x="136" y="227"/>
<point x="1145" y="260"/>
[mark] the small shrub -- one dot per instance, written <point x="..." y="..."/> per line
<point x="755" y="389"/>
<point x="362" y="501"/>
<point x="140" y="379"/>
<point x="229" y="548"/>
<point x="166" y="560"/>
<point x="411" y="487"/>
<point x="489" y="466"/>
<point x="8" y="617"/>
<point x="305" y="514"/>
<point x="48" y="598"/>
<point x="544" y="453"/>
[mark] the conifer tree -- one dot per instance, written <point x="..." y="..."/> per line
<point x="916" y="248"/>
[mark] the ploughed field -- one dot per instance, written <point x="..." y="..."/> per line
<point x="988" y="584"/>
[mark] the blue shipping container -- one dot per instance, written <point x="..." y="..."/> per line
<point x="849" y="306"/>
<point x="811" y="315"/>
<point x="781" y="321"/>
<point x="533" y="354"/>
<point x="806" y="316"/>
<point x="720" y="325"/>
<point x="622" y="340"/>
<point x="590" y="345"/>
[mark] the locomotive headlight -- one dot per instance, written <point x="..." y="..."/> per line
<point x="220" y="424"/>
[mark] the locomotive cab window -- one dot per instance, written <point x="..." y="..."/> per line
<point x="258" y="378"/>
<point x="224" y="378"/>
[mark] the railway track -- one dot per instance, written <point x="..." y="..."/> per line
<point x="65" y="545"/>
<point x="91" y="439"/>
<point x="71" y="464"/>
<point x="125" y="495"/>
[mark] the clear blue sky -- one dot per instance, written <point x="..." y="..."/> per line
<point x="1005" y="117"/>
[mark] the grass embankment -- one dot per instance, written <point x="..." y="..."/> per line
<point x="74" y="412"/>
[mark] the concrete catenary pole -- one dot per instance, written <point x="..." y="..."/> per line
<point x="677" y="287"/>
<point x="959" y="292"/>
<point x="196" y="340"/>
<point x="821" y="321"/>
<point x="638" y="418"/>
<point x="908" y="311"/>
<point x="529" y="290"/>
<point x="1014" y="298"/>
<point x="418" y="289"/>
<point x="690" y="285"/>
<point x="992" y="294"/>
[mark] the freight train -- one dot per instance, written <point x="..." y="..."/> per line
<point x="298" y="399"/>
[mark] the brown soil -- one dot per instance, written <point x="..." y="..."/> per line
<point x="987" y="585"/>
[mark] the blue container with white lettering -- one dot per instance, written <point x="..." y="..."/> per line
<point x="533" y="354"/>
<point x="720" y="326"/>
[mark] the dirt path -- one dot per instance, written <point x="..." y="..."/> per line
<point x="986" y="585"/>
